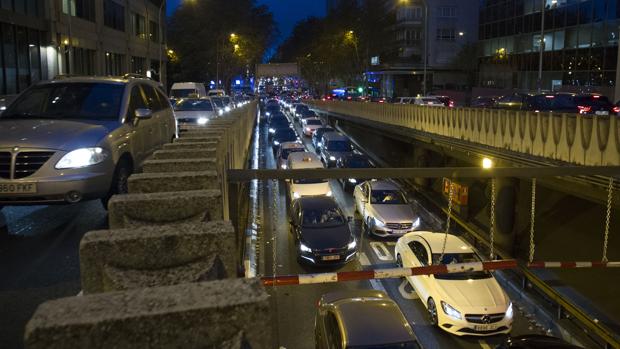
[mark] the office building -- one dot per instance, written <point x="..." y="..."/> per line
<point x="44" y="38"/>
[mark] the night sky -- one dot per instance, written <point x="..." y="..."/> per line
<point x="286" y="12"/>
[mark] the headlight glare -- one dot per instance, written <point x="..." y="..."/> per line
<point x="304" y="248"/>
<point x="82" y="158"/>
<point x="450" y="311"/>
<point x="332" y="158"/>
<point x="296" y="195"/>
<point x="352" y="245"/>
<point x="202" y="121"/>
<point x="509" y="312"/>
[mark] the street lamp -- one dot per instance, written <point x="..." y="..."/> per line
<point x="161" y="38"/>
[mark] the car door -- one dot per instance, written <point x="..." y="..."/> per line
<point x="157" y="120"/>
<point x="419" y="258"/>
<point x="140" y="127"/>
<point x="168" y="115"/>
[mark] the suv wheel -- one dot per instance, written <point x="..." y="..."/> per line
<point x="119" y="182"/>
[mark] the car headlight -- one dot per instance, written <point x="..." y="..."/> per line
<point x="227" y="109"/>
<point x="415" y="223"/>
<point x="379" y="223"/>
<point x="304" y="248"/>
<point x="296" y="195"/>
<point x="82" y="158"/>
<point x="267" y="113"/>
<point x="220" y="112"/>
<point x="319" y="144"/>
<point x="509" y="311"/>
<point x="276" y="143"/>
<point x="352" y="245"/>
<point x="352" y="180"/>
<point x="283" y="166"/>
<point x="329" y="193"/>
<point x="308" y="129"/>
<point x="332" y="158"/>
<point x="450" y="311"/>
<point x="202" y="121"/>
<point x="272" y="130"/>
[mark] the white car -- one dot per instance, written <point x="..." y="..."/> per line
<point x="286" y="149"/>
<point x="467" y="303"/>
<point x="384" y="209"/>
<point x="194" y="111"/>
<point x="428" y="101"/>
<point x="298" y="188"/>
<point x="310" y="125"/>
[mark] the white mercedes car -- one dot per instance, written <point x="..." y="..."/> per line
<point x="384" y="209"/>
<point x="467" y="303"/>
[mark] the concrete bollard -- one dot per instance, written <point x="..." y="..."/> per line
<point x="121" y="259"/>
<point x="200" y="139"/>
<point x="196" y="145"/>
<point x="179" y="165"/>
<point x="184" y="154"/>
<point x="232" y="313"/>
<point x="143" y="183"/>
<point x="133" y="210"/>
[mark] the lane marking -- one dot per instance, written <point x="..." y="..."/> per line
<point x="484" y="344"/>
<point x="364" y="259"/>
<point x="381" y="251"/>
<point x="375" y="284"/>
<point x="407" y="291"/>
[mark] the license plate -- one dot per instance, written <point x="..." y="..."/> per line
<point x="18" y="188"/>
<point x="331" y="258"/>
<point x="484" y="327"/>
<point x="602" y="112"/>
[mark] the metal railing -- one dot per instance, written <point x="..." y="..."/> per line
<point x="579" y="139"/>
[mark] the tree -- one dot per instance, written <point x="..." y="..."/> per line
<point x="200" y="35"/>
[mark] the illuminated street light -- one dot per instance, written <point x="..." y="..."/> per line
<point x="487" y="163"/>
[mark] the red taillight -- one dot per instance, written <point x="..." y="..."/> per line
<point x="584" y="109"/>
<point x="549" y="96"/>
<point x="616" y="109"/>
<point x="349" y="98"/>
<point x="595" y="96"/>
<point x="381" y="101"/>
<point x="451" y="104"/>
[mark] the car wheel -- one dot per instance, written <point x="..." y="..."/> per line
<point x="432" y="312"/>
<point x="119" y="182"/>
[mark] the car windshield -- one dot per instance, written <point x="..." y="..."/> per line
<point x="90" y="101"/>
<point x="287" y="152"/>
<point x="326" y="217"/>
<point x="194" y="105"/>
<point x="339" y="146"/>
<point x="387" y="197"/>
<point x="218" y="102"/>
<point x="182" y="92"/>
<point x="314" y="122"/>
<point x="404" y="345"/>
<point x="227" y="100"/>
<point x="285" y="133"/>
<point x="457" y="258"/>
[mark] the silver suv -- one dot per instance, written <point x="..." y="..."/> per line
<point x="80" y="138"/>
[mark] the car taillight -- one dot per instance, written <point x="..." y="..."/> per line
<point x="584" y="109"/>
<point x="616" y="109"/>
<point x="451" y="104"/>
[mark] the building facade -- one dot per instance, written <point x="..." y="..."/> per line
<point x="428" y="36"/>
<point x="579" y="44"/>
<point x="44" y="38"/>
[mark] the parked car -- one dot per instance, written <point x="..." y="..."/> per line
<point x="194" y="111"/>
<point x="300" y="109"/>
<point x="484" y="102"/>
<point x="334" y="146"/>
<point x="310" y="125"/>
<point x="535" y="341"/>
<point x="283" y="135"/>
<point x="218" y="103"/>
<point x="361" y="319"/>
<point x="466" y="303"/>
<point x="276" y="124"/>
<point x="318" y="135"/>
<point x="298" y="188"/>
<point x="385" y="209"/>
<point x="321" y="232"/>
<point x="80" y="138"/>
<point x="353" y="161"/>
<point x="285" y="150"/>
<point x="186" y="89"/>
<point x="428" y="102"/>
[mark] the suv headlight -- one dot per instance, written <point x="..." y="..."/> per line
<point x="332" y="158"/>
<point x="352" y="245"/>
<point x="304" y="248"/>
<point x="82" y="157"/>
<point x="450" y="311"/>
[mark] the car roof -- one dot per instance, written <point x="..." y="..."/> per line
<point x="93" y="79"/>
<point x="314" y="202"/>
<point x="372" y="321"/>
<point x="454" y="244"/>
<point x="292" y="145"/>
<point x="335" y="136"/>
<point x="304" y="160"/>
<point x="383" y="185"/>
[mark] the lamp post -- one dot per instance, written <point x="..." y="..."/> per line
<point x="161" y="39"/>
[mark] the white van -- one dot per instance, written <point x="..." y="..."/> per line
<point x="188" y="89"/>
<point x="298" y="188"/>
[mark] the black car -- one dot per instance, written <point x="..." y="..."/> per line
<point x="484" y="102"/>
<point x="536" y="342"/>
<point x="334" y="147"/>
<point x="282" y="135"/>
<point x="361" y="319"/>
<point x="318" y="135"/>
<point x="353" y="160"/>
<point x="306" y="115"/>
<point x="584" y="104"/>
<point x="321" y="232"/>
<point x="299" y="110"/>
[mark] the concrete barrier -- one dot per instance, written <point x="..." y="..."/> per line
<point x="121" y="259"/>
<point x="185" y="154"/>
<point x="218" y="314"/>
<point x="134" y="210"/>
<point x="195" y="145"/>
<point x="143" y="183"/>
<point x="179" y="165"/>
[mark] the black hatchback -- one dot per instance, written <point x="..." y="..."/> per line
<point x="353" y="160"/>
<point x="321" y="232"/>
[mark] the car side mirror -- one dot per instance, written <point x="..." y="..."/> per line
<point x="143" y="113"/>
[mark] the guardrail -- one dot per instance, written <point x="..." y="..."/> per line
<point x="580" y="139"/>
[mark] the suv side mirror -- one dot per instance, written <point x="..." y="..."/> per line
<point x="143" y="113"/>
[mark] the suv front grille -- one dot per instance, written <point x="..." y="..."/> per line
<point x="27" y="163"/>
<point x="5" y="165"/>
<point x="484" y="319"/>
